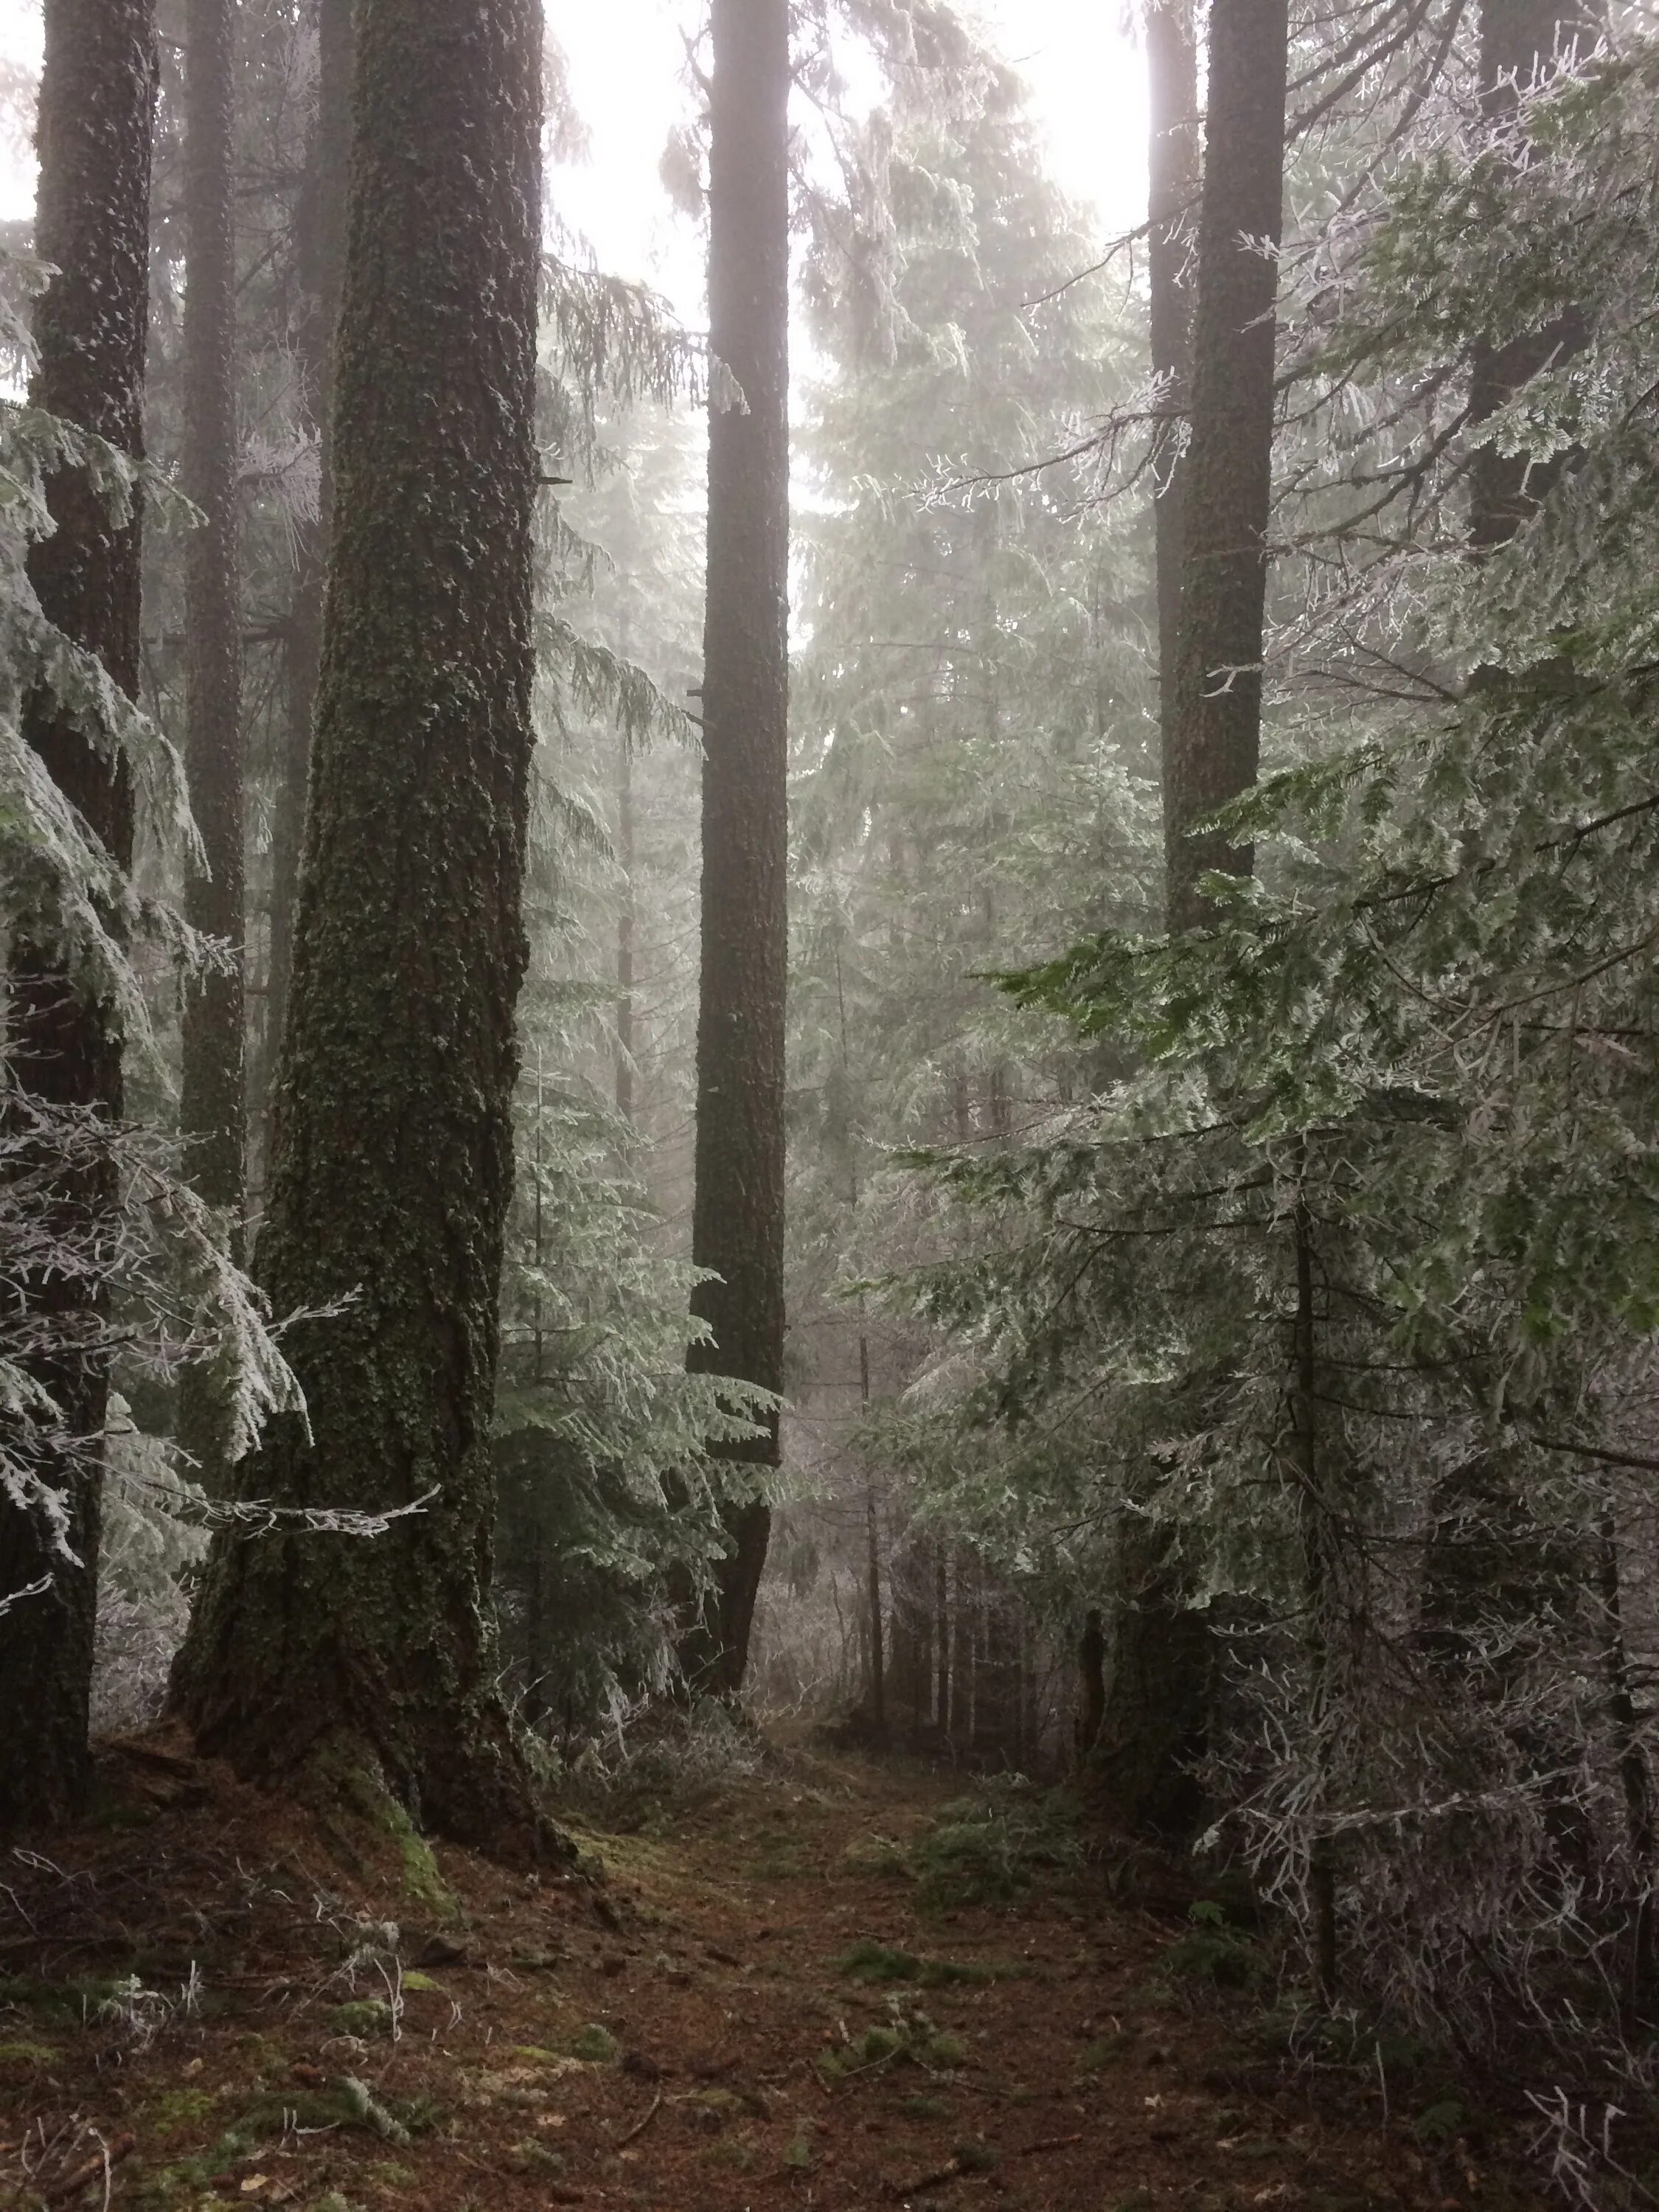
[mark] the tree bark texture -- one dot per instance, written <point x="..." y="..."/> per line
<point x="213" y="1101"/>
<point x="1216" y="738"/>
<point x="392" y="1153"/>
<point x="95" y="136"/>
<point x="319" y="262"/>
<point x="738" y="1214"/>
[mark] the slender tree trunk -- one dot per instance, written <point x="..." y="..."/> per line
<point x="392" y="1155"/>
<point x="213" y="1089"/>
<point x="625" y="927"/>
<point x="319" y="262"/>
<point x="1314" y="1520"/>
<point x="942" y="1640"/>
<point x="1091" y="1683"/>
<point x="1172" y="104"/>
<point x="1215" y="740"/>
<point x="738" y="1214"/>
<point x="95" y="135"/>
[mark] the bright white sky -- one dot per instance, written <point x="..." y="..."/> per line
<point x="627" y="59"/>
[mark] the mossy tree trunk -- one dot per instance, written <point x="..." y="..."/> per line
<point x="95" y="136"/>
<point x="738" y="1214"/>
<point x="213" y="1087"/>
<point x="392" y="1153"/>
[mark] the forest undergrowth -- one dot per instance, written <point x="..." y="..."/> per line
<point x="790" y="1976"/>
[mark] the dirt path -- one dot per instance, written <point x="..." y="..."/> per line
<point x="758" y="2009"/>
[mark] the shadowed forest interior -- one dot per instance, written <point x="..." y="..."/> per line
<point x="828" y="1135"/>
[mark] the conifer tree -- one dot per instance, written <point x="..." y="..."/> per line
<point x="392" y="1161"/>
<point x="318" y="255"/>
<point x="212" y="1103"/>
<point x="95" y="136"/>
<point x="739" y="1216"/>
<point x="1216" y="738"/>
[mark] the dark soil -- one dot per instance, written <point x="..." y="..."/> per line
<point x="203" y="2004"/>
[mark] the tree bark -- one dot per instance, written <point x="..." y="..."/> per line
<point x="1172" y="102"/>
<point x="1215" y="741"/>
<point x="95" y="137"/>
<point x="212" y="1088"/>
<point x="319" y="262"/>
<point x="738" y="1214"/>
<point x="392" y="1153"/>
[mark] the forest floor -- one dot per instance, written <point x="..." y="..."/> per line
<point x="815" y="1985"/>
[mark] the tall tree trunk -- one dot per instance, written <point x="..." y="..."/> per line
<point x="95" y="133"/>
<point x="625" y="929"/>
<point x="213" y="1089"/>
<point x="1159" y="1663"/>
<point x="738" y="1214"/>
<point x="319" y="262"/>
<point x="1215" y="741"/>
<point x="1173" y="166"/>
<point x="392" y="1154"/>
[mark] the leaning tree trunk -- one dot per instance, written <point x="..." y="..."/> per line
<point x="319" y="260"/>
<point x="95" y="133"/>
<point x="392" y="1154"/>
<point x="213" y="1091"/>
<point x="738" y="1215"/>
<point x="1215" y="741"/>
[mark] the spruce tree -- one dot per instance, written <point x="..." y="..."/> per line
<point x="212" y="1102"/>
<point x="392" y="1161"/>
<point x="1215" y="742"/>
<point x="318" y="254"/>
<point x="739" y="1216"/>
<point x="95" y="136"/>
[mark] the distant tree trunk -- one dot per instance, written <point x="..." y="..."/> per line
<point x="942" y="1639"/>
<point x="319" y="264"/>
<point x="1091" y="1683"/>
<point x="1215" y="740"/>
<point x="213" y="1087"/>
<point x="392" y="1154"/>
<point x="625" y="925"/>
<point x="738" y="1214"/>
<point x="1172" y="104"/>
<point x="95" y="133"/>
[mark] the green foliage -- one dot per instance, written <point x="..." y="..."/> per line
<point x="907" y="2038"/>
<point x="992" y="1848"/>
<point x="1213" y="1951"/>
<point x="874" y="1962"/>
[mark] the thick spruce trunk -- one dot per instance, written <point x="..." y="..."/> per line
<point x="213" y="1087"/>
<point x="1215" y="740"/>
<point x="95" y="136"/>
<point x="319" y="262"/>
<point x="392" y="1153"/>
<point x="738" y="1215"/>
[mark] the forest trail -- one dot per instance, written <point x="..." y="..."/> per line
<point x="761" y="2007"/>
